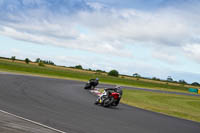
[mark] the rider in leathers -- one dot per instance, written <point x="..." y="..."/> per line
<point x="107" y="92"/>
<point x="94" y="82"/>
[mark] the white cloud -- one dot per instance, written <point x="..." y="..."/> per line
<point x="96" y="5"/>
<point x="193" y="51"/>
<point x="167" y="54"/>
<point x="60" y="34"/>
<point x="110" y="30"/>
<point x="171" y="59"/>
<point x="136" y="25"/>
<point x="28" y="2"/>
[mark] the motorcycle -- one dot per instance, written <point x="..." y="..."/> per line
<point x="110" y="99"/>
<point x="91" y="84"/>
<point x="88" y="85"/>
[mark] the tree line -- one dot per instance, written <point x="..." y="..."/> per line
<point x="114" y="73"/>
<point x="38" y="60"/>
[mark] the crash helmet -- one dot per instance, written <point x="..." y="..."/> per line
<point x="97" y="79"/>
<point x="118" y="87"/>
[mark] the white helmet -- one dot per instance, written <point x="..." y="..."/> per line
<point x="118" y="87"/>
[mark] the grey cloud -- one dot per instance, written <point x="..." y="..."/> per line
<point x="110" y="30"/>
<point x="192" y="51"/>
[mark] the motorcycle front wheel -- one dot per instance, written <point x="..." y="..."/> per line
<point x="106" y="102"/>
<point x="87" y="86"/>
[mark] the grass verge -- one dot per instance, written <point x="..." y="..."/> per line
<point x="186" y="107"/>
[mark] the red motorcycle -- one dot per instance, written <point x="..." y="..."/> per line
<point x="110" y="97"/>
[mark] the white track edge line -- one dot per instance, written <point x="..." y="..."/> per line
<point x="36" y="123"/>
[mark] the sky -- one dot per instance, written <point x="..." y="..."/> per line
<point x="155" y="38"/>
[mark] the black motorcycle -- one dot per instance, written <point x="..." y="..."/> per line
<point x="91" y="84"/>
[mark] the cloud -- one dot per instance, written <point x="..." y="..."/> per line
<point x="56" y="31"/>
<point x="96" y="5"/>
<point x="109" y="30"/>
<point x="192" y="51"/>
<point x="171" y="59"/>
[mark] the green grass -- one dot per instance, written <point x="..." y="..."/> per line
<point x="62" y="73"/>
<point x="187" y="107"/>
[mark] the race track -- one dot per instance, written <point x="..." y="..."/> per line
<point x="65" y="105"/>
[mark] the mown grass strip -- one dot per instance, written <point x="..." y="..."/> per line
<point x="186" y="107"/>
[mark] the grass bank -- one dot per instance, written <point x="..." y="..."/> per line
<point x="61" y="72"/>
<point x="186" y="107"/>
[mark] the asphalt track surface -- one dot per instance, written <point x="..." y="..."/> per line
<point x="65" y="105"/>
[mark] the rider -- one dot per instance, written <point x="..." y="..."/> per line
<point x="108" y="91"/>
<point x="119" y="90"/>
<point x="94" y="82"/>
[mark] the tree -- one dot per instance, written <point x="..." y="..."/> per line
<point x="195" y="84"/>
<point x="51" y="63"/>
<point x="37" y="60"/>
<point x="136" y="75"/>
<point x="79" y="67"/>
<point x="113" y="73"/>
<point x="13" y="58"/>
<point x="27" y="61"/>
<point x="169" y="78"/>
<point x="154" y="78"/>
<point x="182" y="81"/>
<point x="101" y="71"/>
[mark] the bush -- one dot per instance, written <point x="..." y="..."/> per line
<point x="154" y="78"/>
<point x="101" y="71"/>
<point x="79" y="67"/>
<point x="182" y="81"/>
<point x="113" y="73"/>
<point x="41" y="64"/>
<point x="136" y="75"/>
<point x="195" y="84"/>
